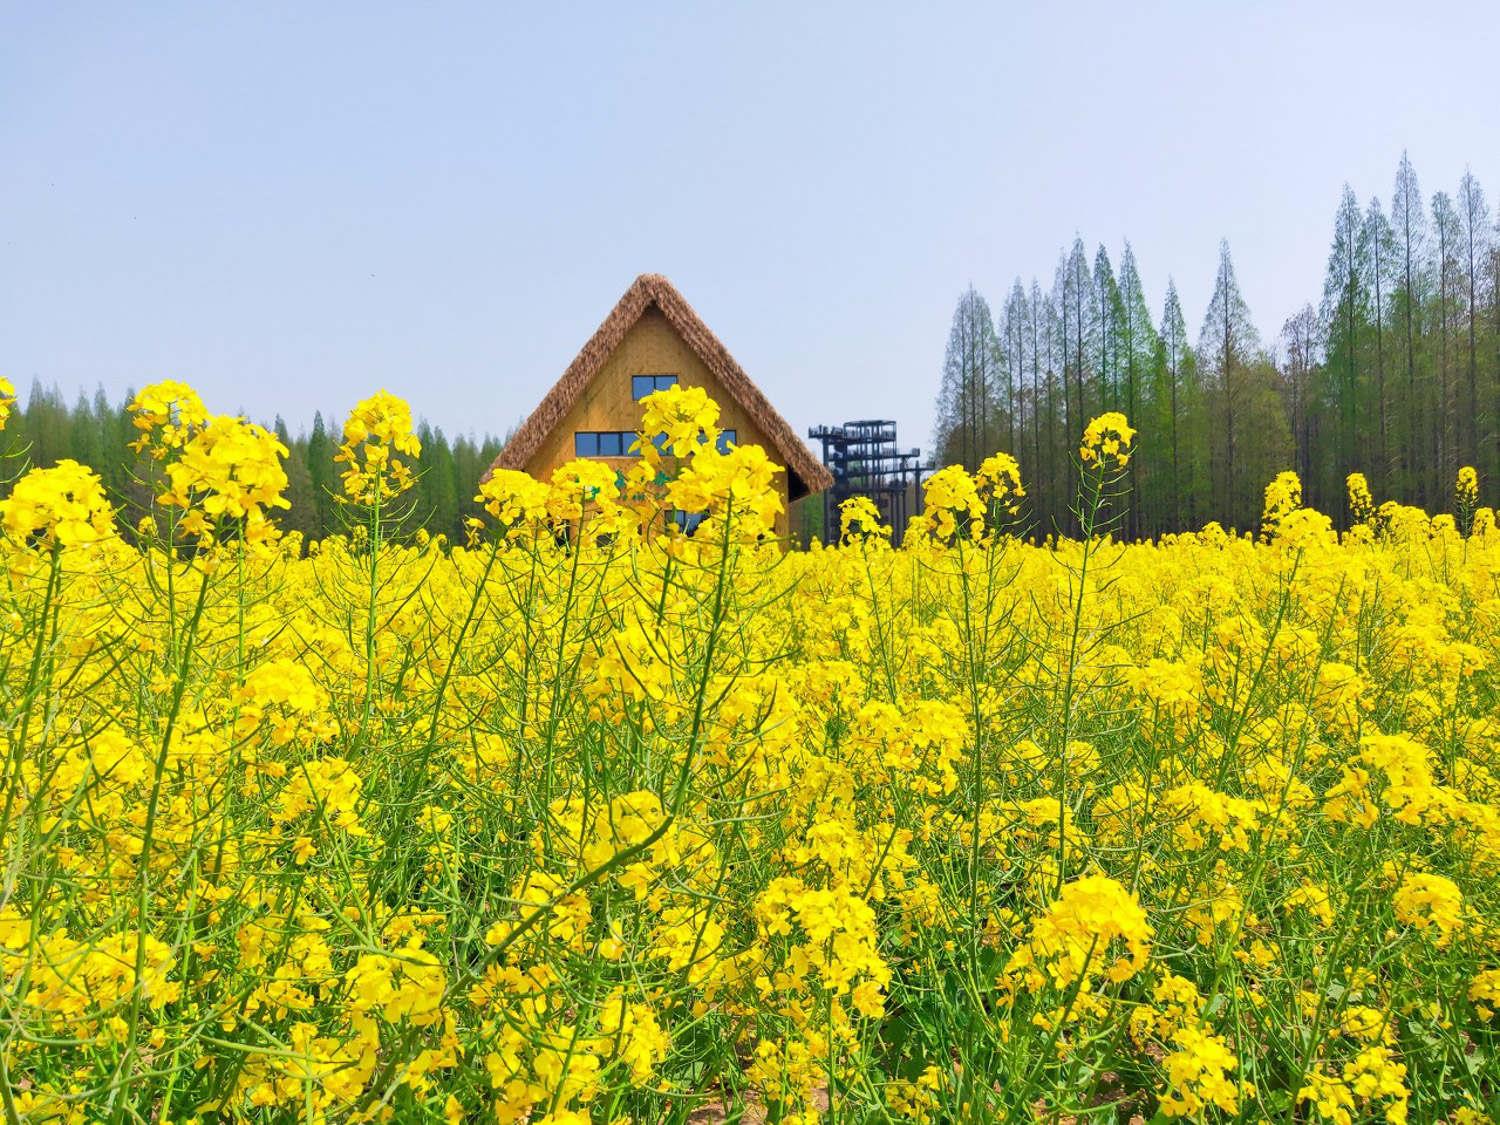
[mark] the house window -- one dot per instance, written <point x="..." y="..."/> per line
<point x="603" y="443"/>
<point x="620" y="443"/>
<point x="643" y="385"/>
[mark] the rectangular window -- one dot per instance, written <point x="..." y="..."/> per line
<point x="603" y="443"/>
<point x="727" y="438"/>
<point x="643" y="385"/>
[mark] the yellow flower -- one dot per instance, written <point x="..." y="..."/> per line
<point x="1466" y="488"/>
<point x="1361" y="504"/>
<point x="1484" y="991"/>
<point x="952" y="504"/>
<point x="737" y="486"/>
<point x="7" y="400"/>
<point x="1283" y="497"/>
<point x="168" y="414"/>
<point x="377" y="430"/>
<point x="1078" y="933"/>
<point x="303" y="849"/>
<point x="998" y="480"/>
<point x="1198" y="1074"/>
<point x="860" y="522"/>
<point x="685" y="416"/>
<point x="1107" y="441"/>
<point x="228" y="472"/>
<point x="513" y="498"/>
<point x="63" y="505"/>
<point x="1330" y="1098"/>
<point x="1429" y="902"/>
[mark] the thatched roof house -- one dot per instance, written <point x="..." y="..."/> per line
<point x="651" y="339"/>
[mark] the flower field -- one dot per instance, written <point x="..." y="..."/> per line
<point x="587" y="820"/>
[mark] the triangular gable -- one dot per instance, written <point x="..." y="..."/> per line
<point x="654" y="289"/>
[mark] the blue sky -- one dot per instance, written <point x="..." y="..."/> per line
<point x="291" y="205"/>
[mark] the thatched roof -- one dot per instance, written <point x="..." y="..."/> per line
<point x="806" y="474"/>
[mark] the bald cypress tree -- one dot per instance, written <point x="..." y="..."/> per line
<point x="1107" y="333"/>
<point x="966" y="404"/>
<point x="1444" y="397"/>
<point x="1474" y="237"/>
<point x="323" y="477"/>
<point x="1344" y="312"/>
<point x="1047" y="319"/>
<point x="1078" y="297"/>
<point x="1409" y="224"/>
<point x="1170" y="398"/>
<point x="1301" y="342"/>
<point x="1227" y="345"/>
<point x="1137" y="352"/>
<point x="1379" y="260"/>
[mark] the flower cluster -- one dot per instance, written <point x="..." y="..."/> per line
<point x="1361" y="503"/>
<point x="1107" y="441"/>
<point x="229" y="472"/>
<point x="1466" y="489"/>
<point x="7" y="400"/>
<point x="860" y="522"/>
<point x="684" y="417"/>
<point x="222" y="472"/>
<point x="168" y="414"/>
<point x="999" y="481"/>
<point x="1283" y="497"/>
<point x="514" y="499"/>
<point x="377" y="435"/>
<point x="1095" y="926"/>
<point x="63" y="506"/>
<point x="620" y="811"/>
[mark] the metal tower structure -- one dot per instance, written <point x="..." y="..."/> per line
<point x="864" y="461"/>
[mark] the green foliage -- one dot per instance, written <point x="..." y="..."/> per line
<point x="97" y="433"/>
<point x="1395" y="373"/>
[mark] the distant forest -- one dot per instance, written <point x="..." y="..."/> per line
<point x="1394" y="372"/>
<point x="98" y="433"/>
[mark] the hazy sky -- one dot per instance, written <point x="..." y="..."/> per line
<point x="291" y="205"/>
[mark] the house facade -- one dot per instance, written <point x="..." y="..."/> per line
<point x="650" y="340"/>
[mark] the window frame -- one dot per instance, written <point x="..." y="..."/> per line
<point x="600" y="443"/>
<point x="658" y="382"/>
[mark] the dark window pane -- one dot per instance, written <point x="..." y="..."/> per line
<point x="643" y="385"/>
<point x="660" y="441"/>
<point x="611" y="445"/>
<point x="585" y="445"/>
<point x="725" y="438"/>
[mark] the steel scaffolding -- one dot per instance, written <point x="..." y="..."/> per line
<point x="864" y="461"/>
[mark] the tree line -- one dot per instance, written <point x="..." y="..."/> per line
<point x="1394" y="372"/>
<point x="98" y="433"/>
